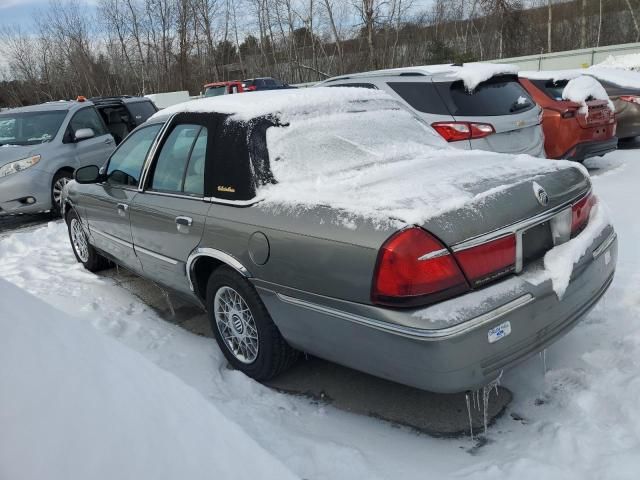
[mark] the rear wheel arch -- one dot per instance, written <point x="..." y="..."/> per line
<point x="203" y="262"/>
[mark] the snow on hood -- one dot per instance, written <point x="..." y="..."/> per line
<point x="583" y="88"/>
<point x="245" y="106"/>
<point x="94" y="409"/>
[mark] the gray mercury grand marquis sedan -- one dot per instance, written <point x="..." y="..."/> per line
<point x="333" y="222"/>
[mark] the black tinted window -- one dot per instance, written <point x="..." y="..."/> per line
<point x="420" y="95"/>
<point x="498" y="96"/>
<point x="126" y="162"/>
<point x="552" y="89"/>
<point x="88" y="118"/>
<point x="141" y="111"/>
<point x="614" y="90"/>
<point x="356" y="85"/>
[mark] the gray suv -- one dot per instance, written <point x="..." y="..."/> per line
<point x="40" y="148"/>
<point x="333" y="222"/>
<point x="496" y="115"/>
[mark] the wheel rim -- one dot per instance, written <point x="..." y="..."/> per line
<point x="57" y="190"/>
<point x="236" y="324"/>
<point x="79" y="240"/>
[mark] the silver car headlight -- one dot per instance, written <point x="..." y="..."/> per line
<point x="18" y="165"/>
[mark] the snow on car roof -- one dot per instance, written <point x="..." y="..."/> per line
<point x="471" y="74"/>
<point x="245" y="106"/>
<point x="617" y="76"/>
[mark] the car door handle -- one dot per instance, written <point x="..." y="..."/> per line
<point x="109" y="141"/>
<point x="122" y="209"/>
<point x="183" y="224"/>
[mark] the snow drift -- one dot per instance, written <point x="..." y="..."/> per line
<point x="584" y="88"/>
<point x="76" y="404"/>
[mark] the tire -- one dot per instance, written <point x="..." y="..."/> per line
<point x="60" y="179"/>
<point x="85" y="253"/>
<point x="260" y="356"/>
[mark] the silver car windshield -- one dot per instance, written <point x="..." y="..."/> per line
<point x="30" y="128"/>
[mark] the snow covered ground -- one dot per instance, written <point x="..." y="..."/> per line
<point x="579" y="420"/>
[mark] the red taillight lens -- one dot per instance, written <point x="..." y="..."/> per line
<point x="414" y="268"/>
<point x="456" y="131"/>
<point x="488" y="261"/>
<point x="580" y="214"/>
<point x="630" y="98"/>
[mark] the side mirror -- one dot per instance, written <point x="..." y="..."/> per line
<point x="83" y="134"/>
<point x="88" y="174"/>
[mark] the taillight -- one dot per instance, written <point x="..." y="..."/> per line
<point x="456" y="131"/>
<point x="580" y="213"/>
<point x="488" y="261"/>
<point x="630" y="98"/>
<point x="414" y="268"/>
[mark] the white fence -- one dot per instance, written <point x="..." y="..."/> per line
<point x="582" y="58"/>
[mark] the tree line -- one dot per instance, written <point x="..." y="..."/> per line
<point x="149" y="46"/>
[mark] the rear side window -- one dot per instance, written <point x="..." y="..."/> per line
<point x="497" y="96"/>
<point x="141" y="111"/>
<point x="181" y="158"/>
<point x="421" y="96"/>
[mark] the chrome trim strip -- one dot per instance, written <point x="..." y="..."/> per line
<point x="438" y="253"/>
<point x="218" y="255"/>
<point x="604" y="245"/>
<point x="155" y="255"/>
<point x="176" y="195"/>
<point x="112" y="238"/>
<point x="515" y="227"/>
<point x="152" y="153"/>
<point x="412" y="332"/>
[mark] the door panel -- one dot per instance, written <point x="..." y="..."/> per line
<point x="107" y="211"/>
<point x="93" y="151"/>
<point x="162" y="244"/>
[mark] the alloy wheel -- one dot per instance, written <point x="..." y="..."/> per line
<point x="79" y="239"/>
<point x="57" y="190"/>
<point x="236" y="324"/>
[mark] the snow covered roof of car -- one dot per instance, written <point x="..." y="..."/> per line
<point x="472" y="74"/>
<point x="617" y="76"/>
<point x="48" y="106"/>
<point x="246" y="106"/>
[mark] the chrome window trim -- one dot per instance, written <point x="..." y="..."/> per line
<point x="224" y="257"/>
<point x="152" y="153"/>
<point x="175" y="195"/>
<point x="112" y="238"/>
<point x="438" y="253"/>
<point x="412" y="332"/>
<point x="155" y="255"/>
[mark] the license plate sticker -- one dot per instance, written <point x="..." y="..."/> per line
<point x="499" y="332"/>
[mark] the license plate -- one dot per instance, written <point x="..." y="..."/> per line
<point x="499" y="332"/>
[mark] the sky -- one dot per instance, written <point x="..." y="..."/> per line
<point x="21" y="12"/>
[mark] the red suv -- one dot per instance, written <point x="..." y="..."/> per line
<point x="223" y="88"/>
<point x="569" y="133"/>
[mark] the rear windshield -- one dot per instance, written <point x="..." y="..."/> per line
<point x="614" y="90"/>
<point x="215" y="91"/>
<point x="501" y="95"/>
<point x="552" y="89"/>
<point x="141" y="111"/>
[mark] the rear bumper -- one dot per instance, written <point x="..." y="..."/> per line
<point x="592" y="149"/>
<point x="455" y="358"/>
